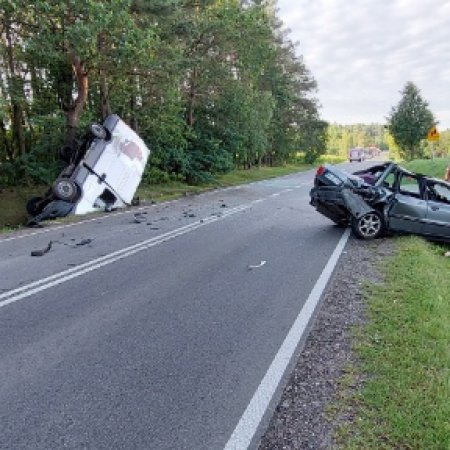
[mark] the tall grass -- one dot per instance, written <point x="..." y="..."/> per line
<point x="431" y="167"/>
<point x="405" y="353"/>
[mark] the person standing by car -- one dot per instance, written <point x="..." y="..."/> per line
<point x="447" y="174"/>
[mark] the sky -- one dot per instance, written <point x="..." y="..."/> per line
<point x="362" y="53"/>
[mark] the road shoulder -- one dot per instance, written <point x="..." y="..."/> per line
<point x="302" y="419"/>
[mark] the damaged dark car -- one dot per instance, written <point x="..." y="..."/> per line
<point x="384" y="198"/>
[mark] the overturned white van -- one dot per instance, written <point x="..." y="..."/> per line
<point x="102" y="174"/>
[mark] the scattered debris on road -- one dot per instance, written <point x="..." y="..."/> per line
<point x="43" y="251"/>
<point x="257" y="266"/>
<point x="139" y="218"/>
<point x="83" y="242"/>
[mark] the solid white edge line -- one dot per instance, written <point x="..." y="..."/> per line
<point x="251" y="418"/>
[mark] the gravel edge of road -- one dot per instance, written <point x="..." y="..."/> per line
<point x="301" y="421"/>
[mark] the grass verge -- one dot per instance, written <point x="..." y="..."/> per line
<point x="169" y="191"/>
<point x="431" y="167"/>
<point x="12" y="205"/>
<point x="13" y="200"/>
<point x="405" y="357"/>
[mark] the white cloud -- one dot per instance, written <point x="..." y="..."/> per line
<point x="363" y="52"/>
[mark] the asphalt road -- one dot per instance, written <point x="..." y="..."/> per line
<point x="153" y="332"/>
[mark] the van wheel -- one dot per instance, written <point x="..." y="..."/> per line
<point x="65" y="153"/>
<point x="34" y="206"/>
<point x="98" y="131"/>
<point x="65" y="189"/>
<point x="368" y="226"/>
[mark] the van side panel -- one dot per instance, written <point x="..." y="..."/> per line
<point x="115" y="164"/>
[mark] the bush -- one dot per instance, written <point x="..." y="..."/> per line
<point x="331" y="159"/>
<point x="206" y="157"/>
<point x="154" y="175"/>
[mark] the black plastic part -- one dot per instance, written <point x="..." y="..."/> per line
<point x="56" y="208"/>
<point x="35" y="206"/>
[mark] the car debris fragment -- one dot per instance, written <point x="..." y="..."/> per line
<point x="43" y="251"/>
<point x="84" y="242"/>
<point x="139" y="218"/>
<point x="257" y="266"/>
<point x="383" y="198"/>
<point x="102" y="174"/>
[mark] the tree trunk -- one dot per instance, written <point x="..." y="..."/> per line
<point x="5" y="141"/>
<point x="190" y="119"/>
<point x="104" y="96"/>
<point x="35" y="83"/>
<point x="16" y="92"/>
<point x="104" y="88"/>
<point x="133" y="121"/>
<point x="76" y="108"/>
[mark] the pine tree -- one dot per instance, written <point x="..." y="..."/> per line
<point x="410" y="121"/>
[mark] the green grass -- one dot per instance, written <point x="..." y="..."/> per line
<point x="431" y="167"/>
<point x="170" y="191"/>
<point x="405" y="356"/>
<point x="13" y="200"/>
<point x="247" y="176"/>
<point x="12" y="205"/>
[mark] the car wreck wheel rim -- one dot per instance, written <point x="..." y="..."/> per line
<point x="370" y="225"/>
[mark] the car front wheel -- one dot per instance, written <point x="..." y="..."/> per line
<point x="368" y="226"/>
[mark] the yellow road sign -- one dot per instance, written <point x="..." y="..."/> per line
<point x="433" y="134"/>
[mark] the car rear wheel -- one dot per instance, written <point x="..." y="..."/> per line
<point x="65" y="189"/>
<point x="368" y="226"/>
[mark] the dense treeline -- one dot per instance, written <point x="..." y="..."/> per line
<point x="341" y="138"/>
<point x="208" y="84"/>
<point x="425" y="149"/>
